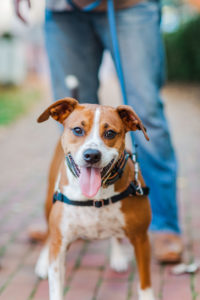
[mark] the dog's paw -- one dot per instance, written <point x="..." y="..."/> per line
<point x="119" y="263"/>
<point x="41" y="268"/>
<point x="41" y="272"/>
<point x="118" y="259"/>
<point x="146" y="294"/>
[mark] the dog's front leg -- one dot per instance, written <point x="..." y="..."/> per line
<point x="118" y="259"/>
<point x="56" y="271"/>
<point x="142" y="253"/>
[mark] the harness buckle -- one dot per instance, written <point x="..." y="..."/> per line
<point x="98" y="203"/>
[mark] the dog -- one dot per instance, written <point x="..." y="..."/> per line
<point x="95" y="190"/>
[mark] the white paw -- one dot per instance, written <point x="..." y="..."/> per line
<point x="41" y="268"/>
<point x="119" y="263"/>
<point x="41" y="273"/>
<point x="146" y="294"/>
<point x="118" y="259"/>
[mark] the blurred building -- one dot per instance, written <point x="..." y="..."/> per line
<point x="21" y="46"/>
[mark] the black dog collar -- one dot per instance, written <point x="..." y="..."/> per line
<point x="132" y="190"/>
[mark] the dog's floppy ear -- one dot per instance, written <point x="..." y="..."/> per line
<point x="131" y="120"/>
<point x="59" y="110"/>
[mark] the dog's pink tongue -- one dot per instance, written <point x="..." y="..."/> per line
<point x="90" y="181"/>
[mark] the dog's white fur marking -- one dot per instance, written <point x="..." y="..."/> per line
<point x="94" y="141"/>
<point x="42" y="265"/>
<point x="56" y="273"/>
<point x="92" y="222"/>
<point x="57" y="182"/>
<point x="146" y="294"/>
<point x="118" y="259"/>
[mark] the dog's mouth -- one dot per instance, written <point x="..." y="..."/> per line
<point x="90" y="178"/>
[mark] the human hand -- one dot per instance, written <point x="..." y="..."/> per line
<point x="17" y="9"/>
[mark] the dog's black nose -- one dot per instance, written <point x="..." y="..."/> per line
<point x="92" y="156"/>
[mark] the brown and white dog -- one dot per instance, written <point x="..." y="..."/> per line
<point x="94" y="136"/>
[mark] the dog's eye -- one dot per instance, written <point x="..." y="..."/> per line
<point x="78" y="131"/>
<point x="110" y="134"/>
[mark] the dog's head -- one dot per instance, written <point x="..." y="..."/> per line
<point x="94" y="135"/>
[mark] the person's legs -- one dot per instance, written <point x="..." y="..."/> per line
<point x="73" y="49"/>
<point x="142" y="59"/>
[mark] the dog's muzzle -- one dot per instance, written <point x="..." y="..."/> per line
<point x="92" y="156"/>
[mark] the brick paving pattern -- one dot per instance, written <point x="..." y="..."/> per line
<point x="25" y="151"/>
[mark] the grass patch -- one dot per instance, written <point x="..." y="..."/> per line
<point x="14" y="102"/>
<point x="182" y="51"/>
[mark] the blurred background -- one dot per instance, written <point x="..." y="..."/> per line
<point x="26" y="148"/>
<point x="23" y="60"/>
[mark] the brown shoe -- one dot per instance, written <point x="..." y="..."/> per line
<point x="167" y="247"/>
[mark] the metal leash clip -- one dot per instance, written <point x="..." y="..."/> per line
<point x="139" y="190"/>
<point x="138" y="187"/>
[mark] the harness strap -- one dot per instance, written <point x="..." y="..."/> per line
<point x="130" y="191"/>
<point x="117" y="172"/>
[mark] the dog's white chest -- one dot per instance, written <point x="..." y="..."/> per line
<point x="92" y="222"/>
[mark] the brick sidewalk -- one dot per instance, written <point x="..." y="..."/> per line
<point x="25" y="151"/>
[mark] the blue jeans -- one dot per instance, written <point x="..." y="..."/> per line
<point x="75" y="42"/>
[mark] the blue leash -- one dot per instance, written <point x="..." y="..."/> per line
<point x="116" y="51"/>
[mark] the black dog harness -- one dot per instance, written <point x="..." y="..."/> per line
<point x="130" y="191"/>
<point x="134" y="189"/>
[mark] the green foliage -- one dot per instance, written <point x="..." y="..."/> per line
<point x="183" y="52"/>
<point x="7" y="36"/>
<point x="14" y="102"/>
